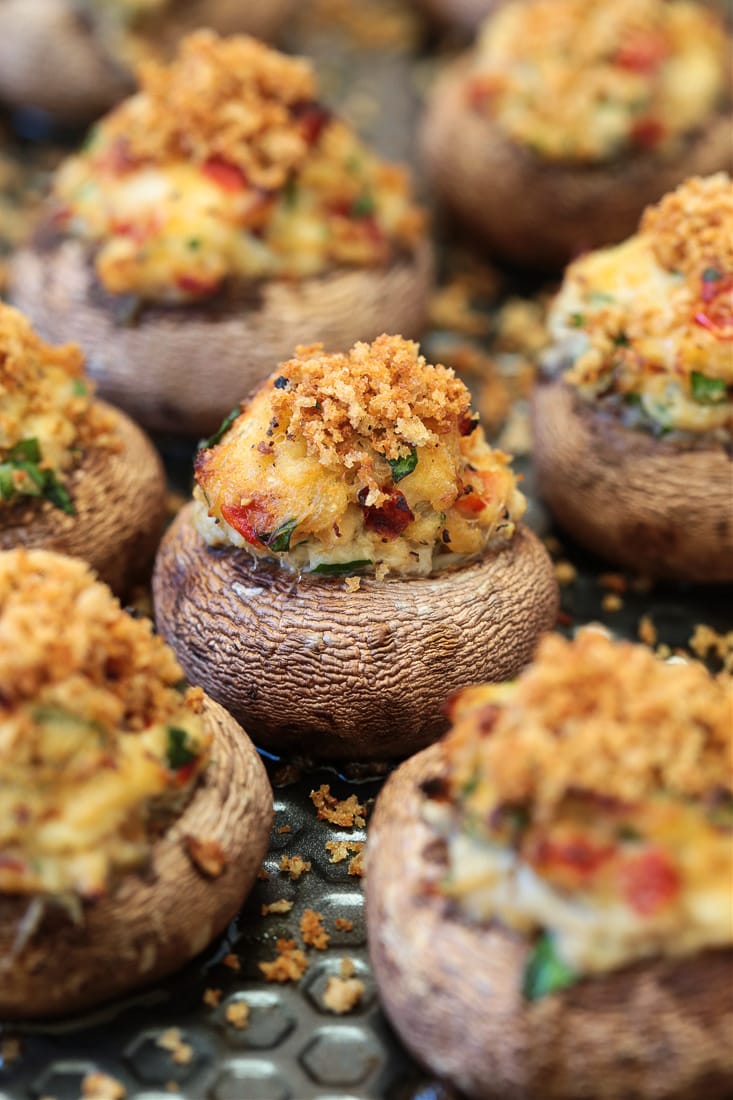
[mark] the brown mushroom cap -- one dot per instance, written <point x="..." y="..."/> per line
<point x="119" y="502"/>
<point x="464" y="15"/>
<point x="183" y="368"/>
<point x="658" y="1029"/>
<point x="157" y="920"/>
<point x="650" y="505"/>
<point x="539" y="213"/>
<point x="51" y="59"/>
<point x="319" y="671"/>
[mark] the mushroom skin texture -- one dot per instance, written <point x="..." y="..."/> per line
<point x="158" y="919"/>
<point x="120" y="509"/>
<point x="452" y="989"/>
<point x="319" y="671"/>
<point x="182" y="368"/>
<point x="51" y="59"/>
<point x="537" y="213"/>
<point x="651" y="505"/>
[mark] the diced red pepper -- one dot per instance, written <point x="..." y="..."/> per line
<point x="184" y="773"/>
<point x="227" y="175"/>
<point x="389" y="519"/>
<point x="649" y="882"/>
<point x="470" y="504"/>
<point x="643" y="53"/>
<point x="313" y="120"/>
<point x="647" y="132"/>
<point x="578" y="855"/>
<point x="250" y="520"/>
<point x="200" y="287"/>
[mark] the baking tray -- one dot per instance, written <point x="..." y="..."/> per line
<point x="175" y="1039"/>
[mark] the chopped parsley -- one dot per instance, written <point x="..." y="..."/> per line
<point x="223" y="428"/>
<point x="363" y="206"/>
<point x="577" y="320"/>
<point x="404" y="465"/>
<point x="279" y="540"/>
<point x="178" y="752"/>
<point x="707" y="390"/>
<point x="79" y="387"/>
<point x="340" y="568"/>
<point x="24" y="458"/>
<point x="545" y="971"/>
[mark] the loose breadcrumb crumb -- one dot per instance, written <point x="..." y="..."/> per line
<point x="346" y="812"/>
<point x="289" y="965"/>
<point x="706" y="642"/>
<point x="237" y="1015"/>
<point x="647" y="631"/>
<point x="312" y="930"/>
<point x="282" y="905"/>
<point x="10" y="1049"/>
<point x="339" y="850"/>
<point x="565" y="572"/>
<point x="343" y="924"/>
<point x="342" y="994"/>
<point x="231" y="962"/>
<point x="356" y="865"/>
<point x="180" y="1051"/>
<point x="612" y="602"/>
<point x="212" y="997"/>
<point x="100" y="1086"/>
<point x="283" y="829"/>
<point x="207" y="855"/>
<point x="295" y="866"/>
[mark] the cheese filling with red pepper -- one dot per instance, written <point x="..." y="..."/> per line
<point x="99" y="745"/>
<point x="648" y="324"/>
<point x="589" y="806"/>
<point x="47" y="415"/>
<point x="366" y="461"/>
<point x="585" y="82"/>
<point x="225" y="167"/>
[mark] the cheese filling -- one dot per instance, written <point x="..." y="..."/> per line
<point x="369" y="461"/>
<point x="586" y="83"/>
<point x="255" y="180"/>
<point x="648" y="324"/>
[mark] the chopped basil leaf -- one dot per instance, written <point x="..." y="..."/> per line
<point x="28" y="450"/>
<point x="403" y="466"/>
<point x="363" y="206"/>
<point x="279" y="540"/>
<point x="577" y="320"/>
<point x="179" y="754"/>
<point x="79" y="387"/>
<point x="7" y="483"/>
<point x="223" y="428"/>
<point x="707" y="390"/>
<point x="57" y="493"/>
<point x="711" y="275"/>
<point x="340" y="568"/>
<point x="545" y="972"/>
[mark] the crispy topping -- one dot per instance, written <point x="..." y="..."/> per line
<point x="595" y="716"/>
<point x="345" y="812"/>
<point x="691" y="229"/>
<point x="289" y="965"/>
<point x="295" y="866"/>
<point x="312" y="930"/>
<point x="232" y="98"/>
<point x="342" y="994"/>
<point x="586" y="82"/>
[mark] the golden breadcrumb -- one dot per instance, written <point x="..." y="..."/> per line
<point x="289" y="965"/>
<point x="343" y="924"/>
<point x="312" y="930"/>
<point x="593" y="715"/>
<point x="647" y="631"/>
<point x="282" y="905"/>
<point x="172" y="1041"/>
<point x="101" y="1086"/>
<point x="340" y="850"/>
<point x="706" y="642"/>
<point x="237" y="1015"/>
<point x="341" y="995"/>
<point x="207" y="855"/>
<point x="295" y="866"/>
<point x="691" y="228"/>
<point x="345" y="812"/>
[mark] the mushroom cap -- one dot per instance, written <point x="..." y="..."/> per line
<point x="533" y="211"/>
<point x="51" y="59"/>
<point x="452" y="989"/>
<point x="182" y="368"/>
<point x="120" y="508"/>
<point x="651" y="505"/>
<point x="156" y="920"/>
<point x="319" y="671"/>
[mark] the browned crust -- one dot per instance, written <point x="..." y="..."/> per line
<point x="646" y="504"/>
<point x="51" y="59"/>
<point x="154" y="922"/>
<point x="119" y="501"/>
<point x="537" y="213"/>
<point x="319" y="671"/>
<point x="662" y="1029"/>
<point x="183" y="368"/>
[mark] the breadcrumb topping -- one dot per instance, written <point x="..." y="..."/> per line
<point x="289" y="965"/>
<point x="589" y="82"/>
<point x="366" y="459"/>
<point x="95" y="732"/>
<point x="648" y="324"/>
<point x="345" y="812"/>
<point x="312" y="931"/>
<point x="47" y="413"/>
<point x="598" y="716"/>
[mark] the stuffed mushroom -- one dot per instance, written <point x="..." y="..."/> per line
<point x="213" y="220"/>
<point x="133" y="812"/>
<point x="549" y="903"/>
<point x="76" y="475"/>
<point x="633" y="419"/>
<point x="568" y="118"/>
<point x="75" y="58"/>
<point x="353" y="554"/>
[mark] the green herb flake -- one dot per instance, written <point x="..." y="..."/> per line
<point x="79" y="387"/>
<point x="404" y="465"/>
<point x="600" y="297"/>
<point x="57" y="493"/>
<point x="340" y="568"/>
<point x="279" y="540"/>
<point x="179" y="754"/>
<point x="621" y="340"/>
<point x="290" y="192"/>
<point x="28" y="450"/>
<point x="223" y="428"/>
<point x="545" y="971"/>
<point x="577" y="320"/>
<point x="193" y="244"/>
<point x="706" y="390"/>
<point x="363" y="206"/>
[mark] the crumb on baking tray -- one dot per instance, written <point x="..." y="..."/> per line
<point x="295" y="866"/>
<point x="342" y="995"/>
<point x="231" y="962"/>
<point x="180" y="1051"/>
<point x="343" y="924"/>
<point x="345" y="812"/>
<point x="647" y="631"/>
<point x="100" y="1086"/>
<point x="312" y="930"/>
<point x="289" y="965"/>
<point x="339" y="850"/>
<point x="212" y="997"/>
<point x="281" y="905"/>
<point x="237" y="1015"/>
